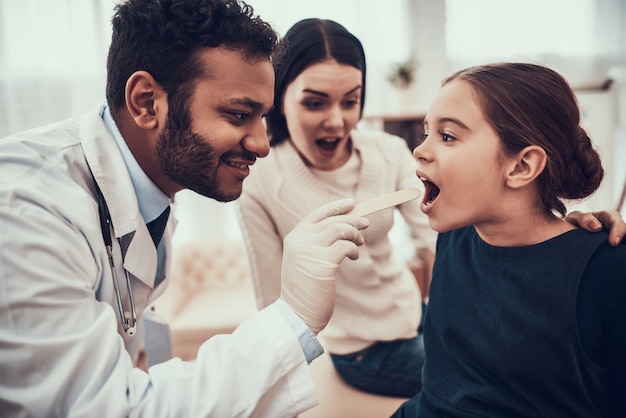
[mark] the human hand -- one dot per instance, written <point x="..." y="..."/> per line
<point x="311" y="256"/>
<point x="610" y="220"/>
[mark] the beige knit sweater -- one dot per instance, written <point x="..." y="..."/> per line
<point x="376" y="296"/>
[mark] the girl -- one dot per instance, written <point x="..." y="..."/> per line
<point x="526" y="314"/>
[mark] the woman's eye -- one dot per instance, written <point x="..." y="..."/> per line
<point x="313" y="105"/>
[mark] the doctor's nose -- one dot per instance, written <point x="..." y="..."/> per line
<point x="257" y="140"/>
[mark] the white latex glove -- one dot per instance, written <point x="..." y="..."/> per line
<point x="311" y="255"/>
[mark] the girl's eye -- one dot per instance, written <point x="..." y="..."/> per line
<point x="446" y="137"/>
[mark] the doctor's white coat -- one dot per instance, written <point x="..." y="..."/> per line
<point x="62" y="348"/>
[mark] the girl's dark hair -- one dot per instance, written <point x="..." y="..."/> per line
<point x="164" y="38"/>
<point x="529" y="104"/>
<point x="306" y="43"/>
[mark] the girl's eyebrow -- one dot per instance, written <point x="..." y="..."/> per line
<point x="448" y="119"/>
<point x="454" y="121"/>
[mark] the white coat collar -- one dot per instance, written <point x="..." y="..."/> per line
<point x="109" y="171"/>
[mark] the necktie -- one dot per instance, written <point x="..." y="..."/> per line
<point x="157" y="226"/>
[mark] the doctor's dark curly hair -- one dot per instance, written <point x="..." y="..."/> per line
<point x="163" y="37"/>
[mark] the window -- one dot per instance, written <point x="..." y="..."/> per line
<point x="486" y="29"/>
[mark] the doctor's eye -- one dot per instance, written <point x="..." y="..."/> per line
<point x="241" y="115"/>
<point x="238" y="118"/>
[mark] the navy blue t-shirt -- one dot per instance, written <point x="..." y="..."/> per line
<point x="536" y="331"/>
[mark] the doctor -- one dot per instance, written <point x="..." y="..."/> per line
<point x="188" y="85"/>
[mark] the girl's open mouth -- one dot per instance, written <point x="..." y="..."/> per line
<point x="431" y="191"/>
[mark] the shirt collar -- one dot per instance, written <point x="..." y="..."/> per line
<point x="152" y="201"/>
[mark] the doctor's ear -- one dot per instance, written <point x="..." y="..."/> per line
<point x="146" y="101"/>
<point x="526" y="166"/>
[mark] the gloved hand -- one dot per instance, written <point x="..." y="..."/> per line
<point x="311" y="255"/>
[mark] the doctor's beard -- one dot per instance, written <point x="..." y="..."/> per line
<point x="189" y="159"/>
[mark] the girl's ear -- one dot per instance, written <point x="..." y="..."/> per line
<point x="526" y="166"/>
<point x="145" y="99"/>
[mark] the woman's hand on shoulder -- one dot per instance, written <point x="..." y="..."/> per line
<point x="608" y="220"/>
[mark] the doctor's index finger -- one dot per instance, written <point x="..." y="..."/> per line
<point x="337" y="207"/>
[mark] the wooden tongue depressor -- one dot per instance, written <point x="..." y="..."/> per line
<point x="385" y="201"/>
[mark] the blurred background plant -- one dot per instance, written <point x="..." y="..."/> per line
<point x="402" y="74"/>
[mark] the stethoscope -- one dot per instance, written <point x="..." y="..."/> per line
<point x="128" y="320"/>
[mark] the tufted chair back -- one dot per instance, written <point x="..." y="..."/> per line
<point x="210" y="264"/>
<point x="209" y="292"/>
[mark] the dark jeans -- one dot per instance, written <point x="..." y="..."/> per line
<point x="391" y="368"/>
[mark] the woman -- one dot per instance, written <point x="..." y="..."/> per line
<point x="318" y="156"/>
<point x="529" y="309"/>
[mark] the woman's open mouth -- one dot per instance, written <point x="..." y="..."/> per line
<point x="327" y="145"/>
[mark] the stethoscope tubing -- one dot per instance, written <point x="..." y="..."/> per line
<point x="128" y="320"/>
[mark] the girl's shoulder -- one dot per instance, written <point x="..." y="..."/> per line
<point x="610" y="263"/>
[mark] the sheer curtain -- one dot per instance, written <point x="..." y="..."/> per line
<point x="53" y="52"/>
<point x="52" y="59"/>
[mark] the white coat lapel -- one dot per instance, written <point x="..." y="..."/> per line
<point x="109" y="171"/>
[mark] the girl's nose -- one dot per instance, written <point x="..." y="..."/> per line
<point x="423" y="152"/>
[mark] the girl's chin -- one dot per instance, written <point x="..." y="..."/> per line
<point x="443" y="225"/>
<point x="440" y="228"/>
